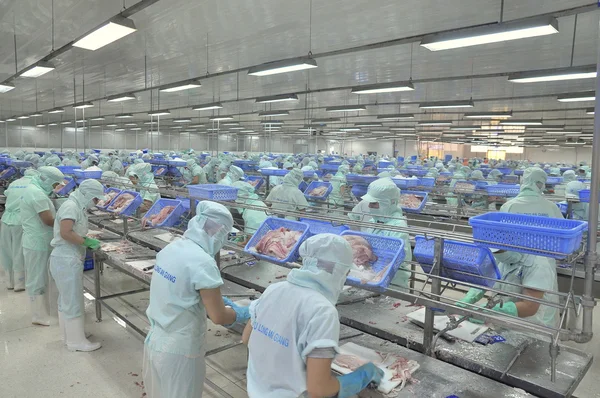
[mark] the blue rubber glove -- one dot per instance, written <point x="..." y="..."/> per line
<point x="242" y="314"/>
<point x="353" y="383"/>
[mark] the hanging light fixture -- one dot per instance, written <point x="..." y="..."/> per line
<point x="447" y="104"/>
<point x="282" y="66"/>
<point x="277" y="98"/>
<point x="106" y="33"/>
<point x="38" y="69"/>
<point x="206" y="107"/>
<point x="383" y="88"/>
<point x="180" y="86"/>
<point x="120" y="98"/>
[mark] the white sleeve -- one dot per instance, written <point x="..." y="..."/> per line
<point x="322" y="331"/>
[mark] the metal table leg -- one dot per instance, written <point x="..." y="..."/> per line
<point x="97" y="293"/>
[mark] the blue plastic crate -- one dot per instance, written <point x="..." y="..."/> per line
<point x="7" y="173"/>
<point x="20" y="164"/>
<point x="317" y="184"/>
<point x="519" y="172"/>
<point x="584" y="196"/>
<point x="273" y="223"/>
<point x="106" y="192"/>
<point x="484" y="166"/>
<point x="366" y="180"/>
<point x="532" y="234"/>
<point x="481" y="184"/>
<point x="84" y="175"/>
<point x="185" y="203"/>
<point x="504" y="170"/>
<point x="404" y="183"/>
<point x="88" y="263"/>
<point x="359" y="190"/>
<point x="160" y="171"/>
<point x="418" y="172"/>
<point x="390" y="256"/>
<point x="563" y="169"/>
<point x="462" y="186"/>
<point x="68" y="170"/>
<point x="4" y="160"/>
<point x="475" y="260"/>
<point x="158" y="206"/>
<point x="246" y="165"/>
<point x="510" y="179"/>
<point x="316" y="227"/>
<point x="419" y="194"/>
<point x="331" y="167"/>
<point x="177" y="163"/>
<point x="563" y="208"/>
<point x="554" y="180"/>
<point x="174" y="171"/>
<point x="427" y="182"/>
<point x="274" y="172"/>
<point x="503" y="189"/>
<point x="213" y="192"/>
<point x="129" y="210"/>
<point x="69" y="184"/>
<point x="259" y="181"/>
<point x="384" y="164"/>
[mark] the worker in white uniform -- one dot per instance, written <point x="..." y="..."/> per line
<point x="11" y="234"/>
<point x="197" y="174"/>
<point x="287" y="196"/>
<point x="383" y="197"/>
<point x="234" y="174"/>
<point x="142" y="177"/>
<point x="252" y="218"/>
<point x="211" y="169"/>
<point x="294" y="328"/>
<point x="568" y="176"/>
<point x="530" y="199"/>
<point x="37" y="216"/>
<point x="66" y="262"/>
<point x="339" y="185"/>
<point x="185" y="288"/>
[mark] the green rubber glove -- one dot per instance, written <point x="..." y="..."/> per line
<point x="472" y="296"/>
<point x="93" y="244"/>
<point x="508" y="308"/>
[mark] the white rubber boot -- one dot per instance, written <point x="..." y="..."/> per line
<point x="61" y="325"/>
<point x="19" y="278"/>
<point x="10" y="280"/>
<point x="39" y="315"/>
<point x="76" y="340"/>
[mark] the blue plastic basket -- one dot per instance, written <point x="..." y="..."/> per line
<point x="271" y="224"/>
<point x="384" y="164"/>
<point x="258" y="184"/>
<point x="317" y="184"/>
<point x="427" y="182"/>
<point x="7" y="173"/>
<point x="20" y="164"/>
<point x="359" y="190"/>
<point x="69" y="185"/>
<point x="519" y="172"/>
<point x="504" y="170"/>
<point x="463" y="188"/>
<point x="160" y="171"/>
<point x="330" y="167"/>
<point x="84" y="175"/>
<point x="563" y="208"/>
<point x="185" y="203"/>
<point x="316" y="227"/>
<point x="177" y="163"/>
<point x="106" y="192"/>
<point x="510" y="179"/>
<point x="213" y="192"/>
<point x="88" y="263"/>
<point x="584" y="196"/>
<point x="404" y="183"/>
<point x="484" y="166"/>
<point x="390" y="255"/>
<point x="503" y="190"/>
<point x="481" y="184"/>
<point x="475" y="260"/>
<point x="246" y="165"/>
<point x="563" y="169"/>
<point x="129" y="210"/>
<point x="416" y="193"/>
<point x="554" y="180"/>
<point x="174" y="171"/>
<point x="274" y="172"/>
<point x="68" y="170"/>
<point x="529" y="234"/>
<point x="171" y="219"/>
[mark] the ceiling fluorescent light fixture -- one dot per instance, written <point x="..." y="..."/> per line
<point x="246" y="131"/>
<point x="182" y="120"/>
<point x="546" y="127"/>
<point x="326" y="120"/>
<point x="221" y="117"/>
<point x="6" y="87"/>
<point x="98" y="118"/>
<point x="277" y="98"/>
<point x="447" y="104"/>
<point x="236" y="128"/>
<point x="40" y="125"/>
<point x="11" y="119"/>
<point x="83" y="105"/>
<point x="124" y="116"/>
<point x="176" y="127"/>
<point x="22" y="117"/>
<point x="494" y="33"/>
<point x="163" y="112"/>
<point x="488" y="115"/>
<point x="368" y="124"/>
<point x="120" y="97"/>
<point x="383" y="88"/>
<point x="572" y="73"/>
<point x="435" y="123"/>
<point x="106" y="33"/>
<point x="273" y="113"/>
<point x="283" y="66"/>
<point x="207" y="107"/>
<point x="521" y="122"/>
<point x="465" y="128"/>
<point x="35" y="114"/>
<point x="272" y="122"/>
<point x="131" y="124"/>
<point x="56" y="110"/>
<point x="174" y="87"/>
<point x="65" y="122"/>
<point x="402" y="128"/>
<point x="135" y="128"/>
<point x="575" y="97"/>
<point x="396" y="116"/>
<point x="120" y="129"/>
<point x="346" y="108"/>
<point x="37" y="70"/>
<point x="348" y="129"/>
<point x="111" y="125"/>
<point x="589" y="111"/>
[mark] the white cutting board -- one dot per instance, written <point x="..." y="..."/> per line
<point x="167" y="237"/>
<point x="141" y="264"/>
<point x="467" y="331"/>
<point x="387" y="385"/>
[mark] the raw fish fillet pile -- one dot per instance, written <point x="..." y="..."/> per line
<point x="410" y="201"/>
<point x="121" y="203"/>
<point x="160" y="170"/>
<point x="111" y="195"/>
<point x="254" y="183"/>
<point x="278" y="243"/>
<point x="93" y="168"/>
<point x="4" y="172"/>
<point x="320" y="191"/>
<point x="362" y="252"/>
<point x="121" y="247"/>
<point x="464" y="187"/>
<point x="351" y="362"/>
<point x="159" y="217"/>
<point x="61" y="186"/>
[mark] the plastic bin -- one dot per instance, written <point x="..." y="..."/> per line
<point x="84" y="175"/>
<point x="332" y="167"/>
<point x="68" y="170"/>
<point x="69" y="185"/>
<point x="464" y="187"/>
<point x="503" y="190"/>
<point x="246" y="165"/>
<point x="563" y="169"/>
<point x="171" y="218"/>
<point x="383" y="164"/>
<point x="88" y="263"/>
<point x="360" y="179"/>
<point x="7" y="173"/>
<point x="273" y="223"/>
<point x="274" y="172"/>
<point x="419" y="194"/>
<point x="390" y="255"/>
<point x="426" y="182"/>
<point x="185" y="203"/>
<point x="554" y="180"/>
<point x="519" y="172"/>
<point x="316" y="227"/>
<point x="359" y="190"/>
<point x="504" y="170"/>
<point x="106" y="192"/>
<point x="584" y="196"/>
<point x="20" y="164"/>
<point x="481" y="184"/>
<point x="532" y="234"/>
<point x="510" y="179"/>
<point x="259" y="181"/>
<point x="317" y="184"/>
<point x="129" y="210"/>
<point x="213" y="192"/>
<point x="475" y="260"/>
<point x="404" y="183"/>
<point x="177" y="163"/>
<point x="563" y="208"/>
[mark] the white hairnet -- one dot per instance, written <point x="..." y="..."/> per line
<point x="210" y="227"/>
<point x="343" y="169"/>
<point x="494" y="175"/>
<point x="235" y="173"/>
<point x="385" y="192"/>
<point x="288" y="165"/>
<point x="293" y="178"/>
<point x="572" y="189"/>
<point x="48" y="176"/>
<point x="109" y="175"/>
<point x="190" y="163"/>
<point x="88" y="191"/>
<point x="477" y="175"/>
<point x="534" y="179"/>
<point x="569" y="176"/>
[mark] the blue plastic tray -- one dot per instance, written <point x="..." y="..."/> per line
<point x="384" y="164"/>
<point x="259" y="179"/>
<point x="69" y="185"/>
<point x="84" y="175"/>
<point x="390" y="255"/>
<point x="421" y="206"/>
<point x="554" y="180"/>
<point x="185" y="202"/>
<point x="503" y="189"/>
<point x="317" y="184"/>
<point x="584" y="196"/>
<point x="20" y="164"/>
<point x="129" y="210"/>
<point x="88" y="263"/>
<point x="532" y="234"/>
<point x="427" y="182"/>
<point x="563" y="169"/>
<point x="563" y="208"/>
<point x="359" y="190"/>
<point x="316" y="227"/>
<point x="481" y="184"/>
<point x="68" y="170"/>
<point x="510" y="179"/>
<point x="464" y="189"/>
<point x="360" y="179"/>
<point x="519" y="172"/>
<point x="330" y="167"/>
<point x="404" y="183"/>
<point x="477" y="261"/>
<point x="504" y="170"/>
<point x="7" y="173"/>
<point x="274" y="172"/>
<point x="106" y="192"/>
<point x="171" y="219"/>
<point x="271" y="224"/>
<point x="246" y="165"/>
<point x="177" y="163"/>
<point x="213" y="192"/>
<point x="484" y="166"/>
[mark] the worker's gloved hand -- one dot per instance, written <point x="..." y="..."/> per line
<point x="93" y="244"/>
<point x="508" y="308"/>
<point x="242" y="314"/>
<point x="353" y="383"/>
<point x="472" y="296"/>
